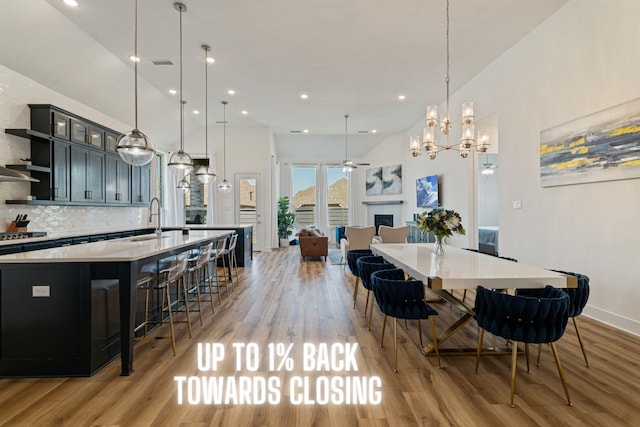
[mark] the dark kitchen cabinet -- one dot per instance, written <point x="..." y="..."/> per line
<point x="84" y="132"/>
<point x="141" y="185"/>
<point x="118" y="180"/>
<point x="87" y="175"/>
<point x="60" y="125"/>
<point x="61" y="190"/>
<point x="111" y="141"/>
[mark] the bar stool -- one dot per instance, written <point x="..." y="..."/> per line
<point x="230" y="254"/>
<point x="220" y="281"/>
<point x="174" y="274"/>
<point x="199" y="271"/>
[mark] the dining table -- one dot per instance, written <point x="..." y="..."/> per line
<point x="460" y="269"/>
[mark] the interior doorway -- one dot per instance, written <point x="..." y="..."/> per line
<point x="249" y="194"/>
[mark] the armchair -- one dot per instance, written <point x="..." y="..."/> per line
<point x="356" y="238"/>
<point x="313" y="243"/>
<point x="393" y="234"/>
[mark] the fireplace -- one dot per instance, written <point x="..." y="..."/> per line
<point x="385" y="219"/>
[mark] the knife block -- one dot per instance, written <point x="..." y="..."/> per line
<point x="13" y="227"/>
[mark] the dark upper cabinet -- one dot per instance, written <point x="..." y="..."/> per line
<point x="141" y="185"/>
<point x="111" y="141"/>
<point x="84" y="132"/>
<point x="60" y="125"/>
<point x="118" y="180"/>
<point x="87" y="175"/>
<point x="61" y="172"/>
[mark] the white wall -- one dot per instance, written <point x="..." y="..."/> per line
<point x="579" y="61"/>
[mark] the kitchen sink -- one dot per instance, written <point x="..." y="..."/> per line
<point x="145" y="238"/>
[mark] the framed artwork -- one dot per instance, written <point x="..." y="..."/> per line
<point x="392" y="179"/>
<point x="373" y="182"/>
<point x="603" y="146"/>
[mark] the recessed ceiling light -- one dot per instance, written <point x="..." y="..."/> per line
<point x="305" y="131"/>
<point x="401" y="97"/>
<point x="374" y="130"/>
<point x="173" y="91"/>
<point x="72" y="3"/>
<point x="211" y="59"/>
<point x="244" y="112"/>
<point x="196" y="112"/>
<point x="134" y="58"/>
<point x="304" y="96"/>
<point x="231" y="92"/>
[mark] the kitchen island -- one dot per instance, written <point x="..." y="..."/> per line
<point x="68" y="311"/>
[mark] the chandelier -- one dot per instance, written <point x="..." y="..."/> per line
<point x="468" y="138"/>
<point x="224" y="186"/>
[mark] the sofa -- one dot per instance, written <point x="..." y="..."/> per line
<point x="313" y="243"/>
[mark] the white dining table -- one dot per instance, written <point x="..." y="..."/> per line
<point x="461" y="269"/>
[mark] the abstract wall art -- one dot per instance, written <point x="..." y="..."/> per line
<point x="373" y="182"/>
<point x="603" y="146"/>
<point x="392" y="179"/>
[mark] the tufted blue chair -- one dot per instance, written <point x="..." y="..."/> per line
<point x="577" y="300"/>
<point x="367" y="265"/>
<point x="531" y="320"/>
<point x="402" y="299"/>
<point x="352" y="259"/>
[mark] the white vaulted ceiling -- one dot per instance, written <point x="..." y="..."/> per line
<point x="350" y="56"/>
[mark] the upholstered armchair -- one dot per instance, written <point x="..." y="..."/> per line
<point x="313" y="243"/>
<point x="531" y="320"/>
<point x="356" y="238"/>
<point x="393" y="234"/>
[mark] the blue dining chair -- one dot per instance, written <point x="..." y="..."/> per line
<point x="367" y="265"/>
<point x="352" y="259"/>
<point x="577" y="301"/>
<point x="402" y="299"/>
<point x="531" y="320"/>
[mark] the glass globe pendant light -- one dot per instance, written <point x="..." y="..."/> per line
<point x="180" y="162"/>
<point x="135" y="147"/>
<point x="224" y="186"/>
<point x="205" y="173"/>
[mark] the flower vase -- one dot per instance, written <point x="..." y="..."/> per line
<point x="438" y="246"/>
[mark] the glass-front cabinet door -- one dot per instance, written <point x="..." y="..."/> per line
<point x="60" y="125"/>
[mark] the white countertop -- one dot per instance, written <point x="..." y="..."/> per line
<point x="462" y="269"/>
<point x="116" y="250"/>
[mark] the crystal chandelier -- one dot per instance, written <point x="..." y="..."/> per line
<point x="224" y="186"/>
<point x="134" y="147"/>
<point x="468" y="138"/>
<point x="205" y="173"/>
<point x="180" y="162"/>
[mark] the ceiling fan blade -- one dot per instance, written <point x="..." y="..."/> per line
<point x="363" y="164"/>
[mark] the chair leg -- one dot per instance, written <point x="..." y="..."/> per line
<point x="584" y="353"/>
<point x="435" y="340"/>
<point x="479" y="351"/>
<point x="406" y="325"/>
<point x="366" y="304"/>
<point x="395" y="345"/>
<point x="370" y="316"/>
<point x="526" y="355"/>
<point x="561" y="373"/>
<point x="355" y="292"/>
<point x="514" y="365"/>
<point x="384" y="324"/>
<point x="539" y="354"/>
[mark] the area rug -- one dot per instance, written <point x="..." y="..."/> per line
<point x="335" y="257"/>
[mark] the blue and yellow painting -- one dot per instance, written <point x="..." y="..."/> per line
<point x="600" y="147"/>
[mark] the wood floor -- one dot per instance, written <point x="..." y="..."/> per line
<point x="284" y="300"/>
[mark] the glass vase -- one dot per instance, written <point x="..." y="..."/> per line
<point x="438" y="246"/>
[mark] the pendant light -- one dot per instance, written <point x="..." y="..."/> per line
<point x="224" y="186"/>
<point x="180" y="163"/>
<point x="134" y="147"/>
<point x="205" y="173"/>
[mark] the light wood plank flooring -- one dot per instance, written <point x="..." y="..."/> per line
<point x="282" y="299"/>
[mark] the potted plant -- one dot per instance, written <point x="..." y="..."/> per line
<point x="285" y="220"/>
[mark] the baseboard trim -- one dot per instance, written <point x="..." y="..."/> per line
<point x="612" y="319"/>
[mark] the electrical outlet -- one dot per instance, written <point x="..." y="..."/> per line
<point x="41" y="291"/>
<point x="517" y="204"/>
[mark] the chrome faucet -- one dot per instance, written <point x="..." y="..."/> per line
<point x="158" y="214"/>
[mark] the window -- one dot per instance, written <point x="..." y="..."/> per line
<point x="303" y="187"/>
<point x="337" y="196"/>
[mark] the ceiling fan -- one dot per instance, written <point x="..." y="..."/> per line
<point x="348" y="165"/>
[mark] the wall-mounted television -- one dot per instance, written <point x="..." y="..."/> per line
<point x="427" y="192"/>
